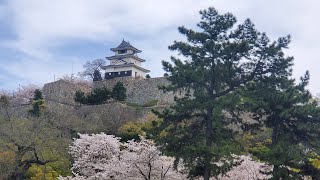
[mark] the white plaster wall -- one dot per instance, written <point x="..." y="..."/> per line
<point x="139" y="73"/>
<point x="118" y="69"/>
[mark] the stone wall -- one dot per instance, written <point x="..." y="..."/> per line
<point x="141" y="91"/>
<point x="102" y="118"/>
<point x="63" y="91"/>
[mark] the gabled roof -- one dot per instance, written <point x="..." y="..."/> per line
<point x="124" y="45"/>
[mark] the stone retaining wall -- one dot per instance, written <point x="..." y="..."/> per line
<point x="141" y="91"/>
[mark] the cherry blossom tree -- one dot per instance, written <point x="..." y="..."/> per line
<point x="101" y="156"/>
<point x="248" y="169"/>
<point x="78" y="81"/>
<point x="25" y="94"/>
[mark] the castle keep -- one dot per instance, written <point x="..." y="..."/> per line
<point x="125" y="62"/>
<point x="125" y="66"/>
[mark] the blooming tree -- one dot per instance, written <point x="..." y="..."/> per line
<point x="76" y="80"/>
<point x="101" y="156"/>
<point x="248" y="169"/>
<point x="25" y="94"/>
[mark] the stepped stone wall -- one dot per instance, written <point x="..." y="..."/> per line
<point x="139" y="91"/>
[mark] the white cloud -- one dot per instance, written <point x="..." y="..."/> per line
<point x="44" y="25"/>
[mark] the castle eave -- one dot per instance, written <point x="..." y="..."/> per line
<point x="126" y="48"/>
<point x="125" y="56"/>
<point x="125" y="65"/>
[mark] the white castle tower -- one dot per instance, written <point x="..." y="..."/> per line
<point x="125" y="62"/>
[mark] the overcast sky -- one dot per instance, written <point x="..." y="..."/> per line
<point x="40" y="39"/>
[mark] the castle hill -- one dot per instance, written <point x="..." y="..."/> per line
<point x="161" y="90"/>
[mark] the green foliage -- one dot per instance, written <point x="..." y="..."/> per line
<point x="97" y="75"/>
<point x="80" y="97"/>
<point x="219" y="61"/>
<point x="289" y="110"/>
<point x="37" y="107"/>
<point x="148" y="76"/>
<point x="96" y="97"/>
<point x="37" y="95"/>
<point x="130" y="131"/>
<point x="36" y="172"/>
<point x="119" y="92"/>
<point x="133" y="130"/>
<point x="101" y="95"/>
<point x="38" y="104"/>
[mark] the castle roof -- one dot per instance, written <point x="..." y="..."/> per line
<point x="124" y="45"/>
<point x="125" y="56"/>
<point x="125" y="65"/>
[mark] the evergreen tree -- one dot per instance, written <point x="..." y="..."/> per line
<point x="119" y="91"/>
<point x="218" y="61"/>
<point x="294" y="117"/>
<point x="38" y="103"/>
<point x="98" y="96"/>
<point x="97" y="75"/>
<point x="37" y="95"/>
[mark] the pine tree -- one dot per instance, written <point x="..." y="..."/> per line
<point x="294" y="117"/>
<point x="119" y="91"/>
<point x="37" y="95"/>
<point x="97" y="75"/>
<point x="218" y="61"/>
<point x="38" y="103"/>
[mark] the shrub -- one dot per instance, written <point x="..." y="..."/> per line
<point x="80" y="97"/>
<point x="130" y="130"/>
<point x="119" y="92"/>
<point x="97" y="96"/>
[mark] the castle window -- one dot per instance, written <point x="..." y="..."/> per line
<point x="122" y="51"/>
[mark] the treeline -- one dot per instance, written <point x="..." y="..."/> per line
<point x="102" y="95"/>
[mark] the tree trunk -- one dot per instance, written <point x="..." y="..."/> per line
<point x="209" y="136"/>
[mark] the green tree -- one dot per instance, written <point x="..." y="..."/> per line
<point x="294" y="117"/>
<point x="98" y="96"/>
<point x="80" y="97"/>
<point x="119" y="91"/>
<point x="219" y="60"/>
<point x="97" y="75"/>
<point x="38" y="103"/>
<point x="37" y="95"/>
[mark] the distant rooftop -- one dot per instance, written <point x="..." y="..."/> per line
<point x="124" y="45"/>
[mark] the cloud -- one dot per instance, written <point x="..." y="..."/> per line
<point x="46" y="32"/>
<point x="44" y="24"/>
